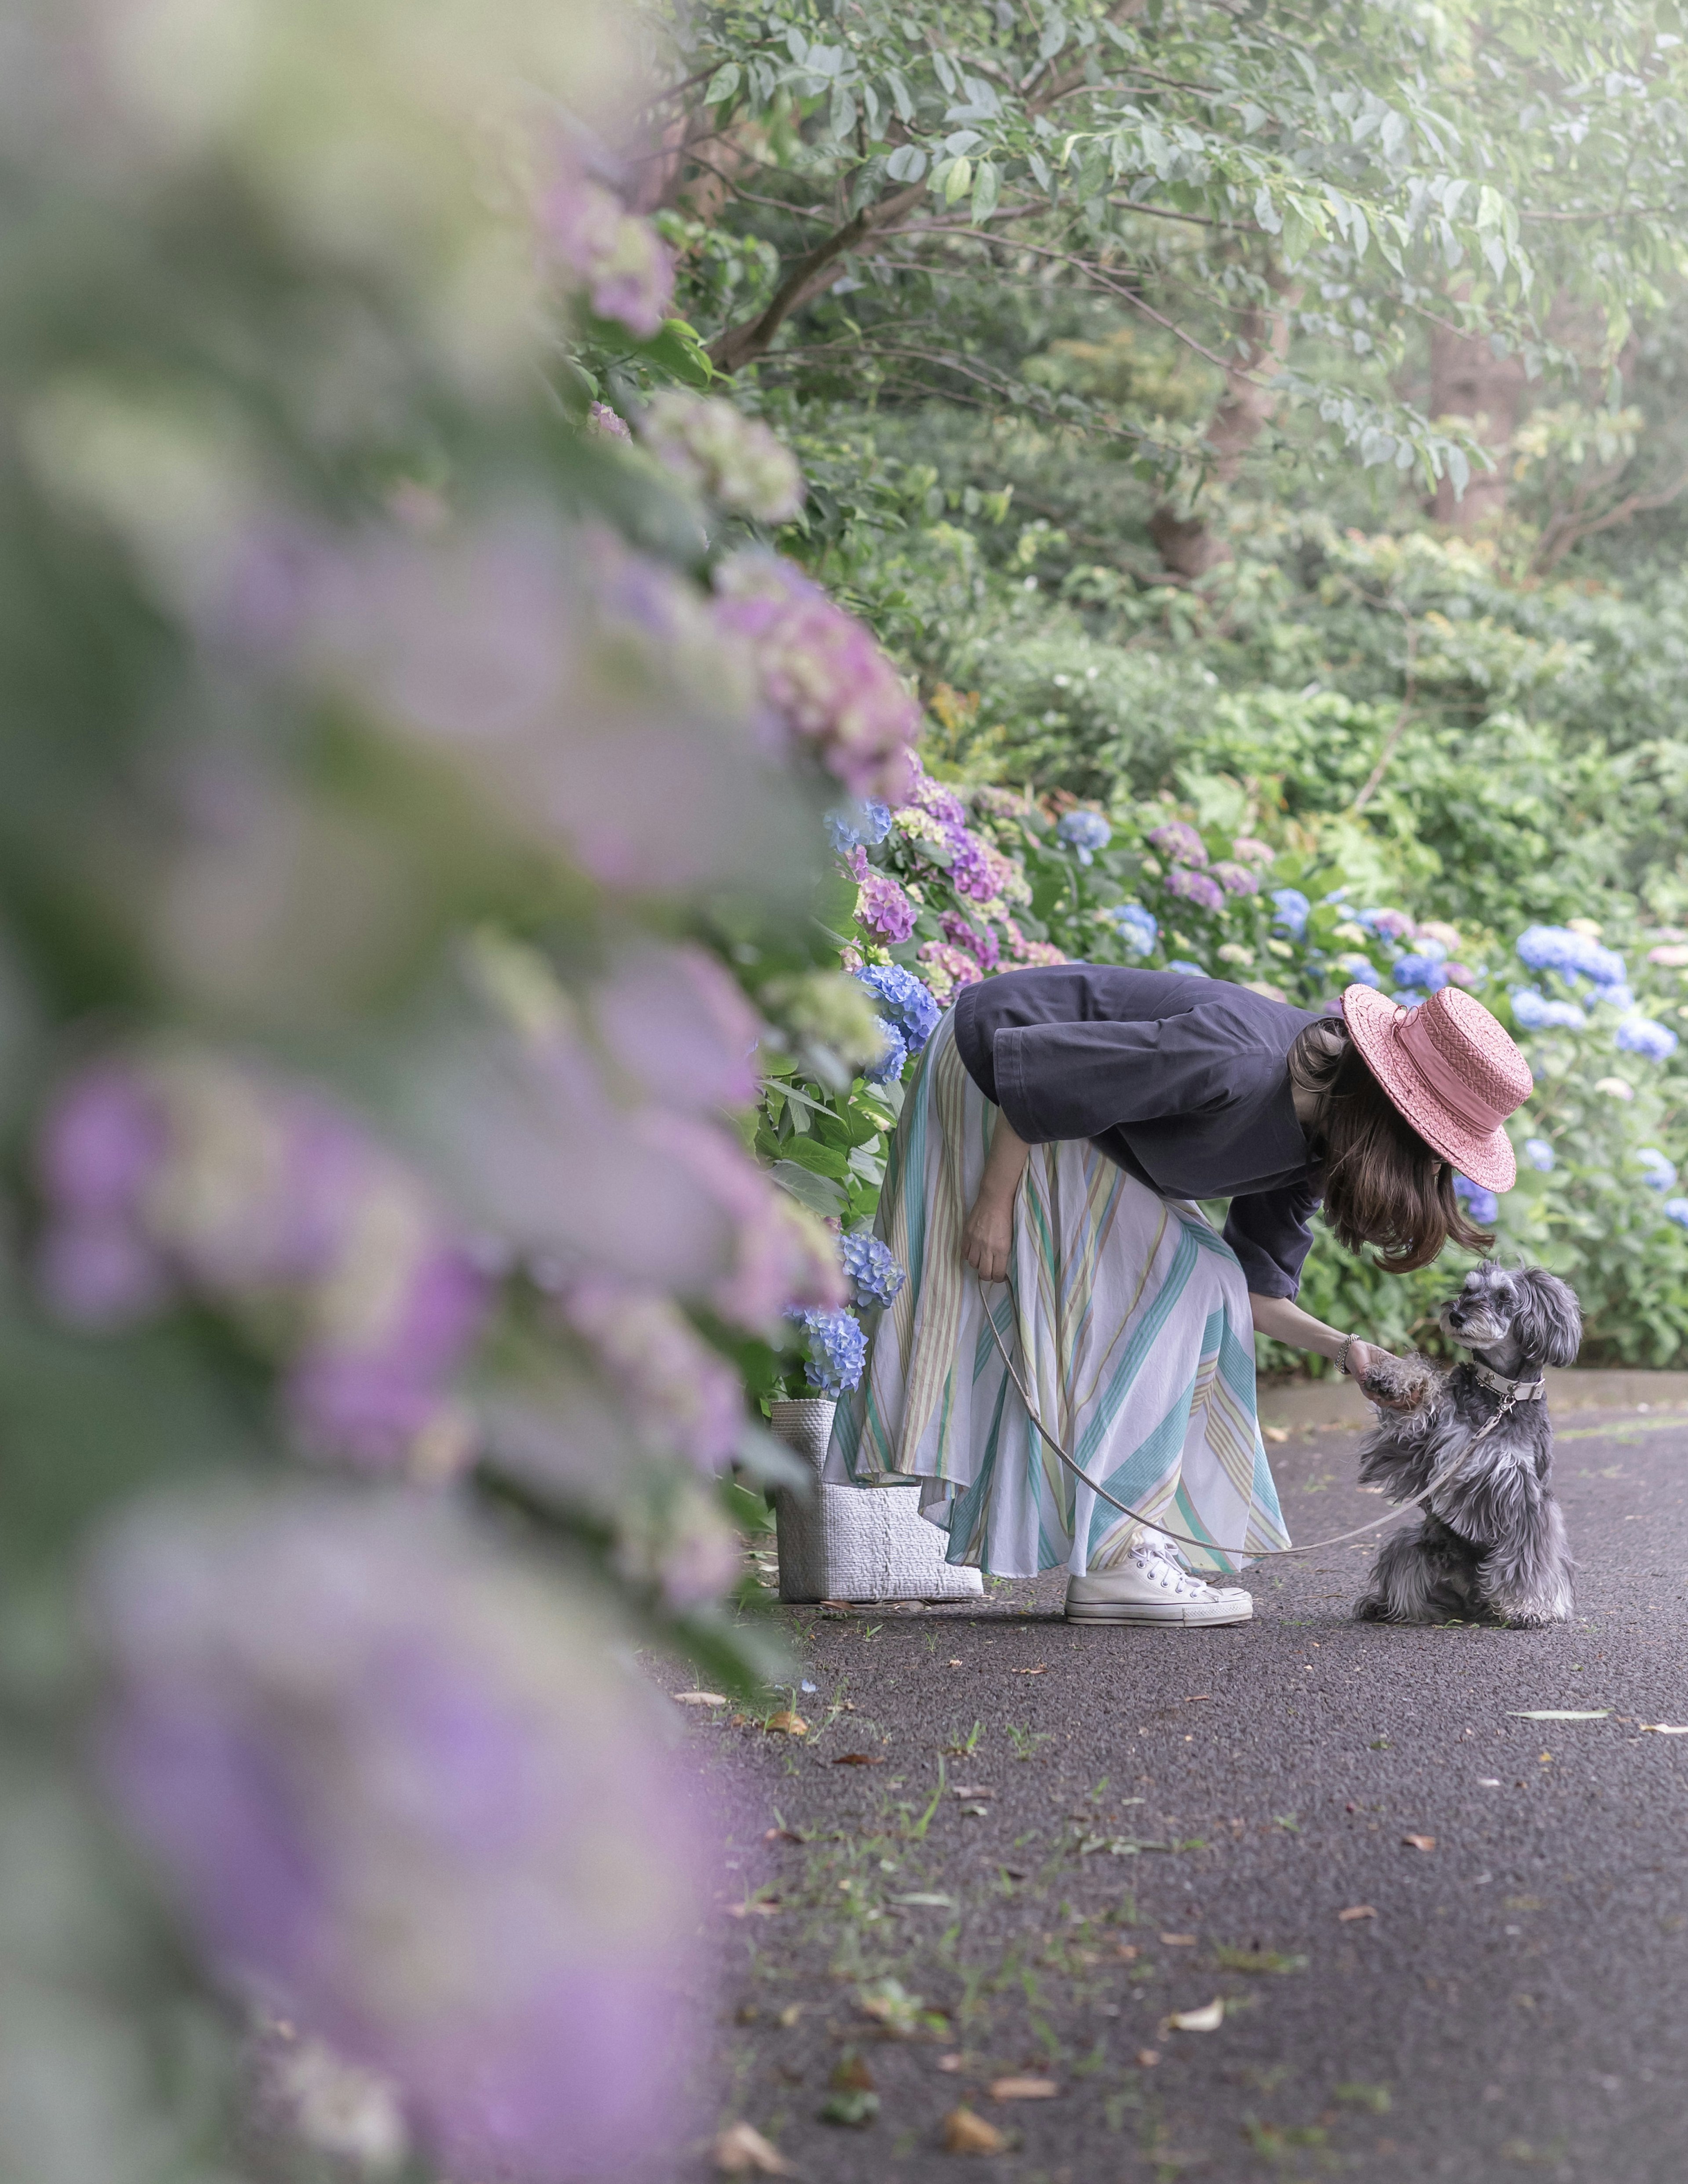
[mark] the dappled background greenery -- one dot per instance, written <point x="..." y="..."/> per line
<point x="1273" y="418"/>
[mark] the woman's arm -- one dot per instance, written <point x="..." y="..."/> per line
<point x="987" y="1238"/>
<point x="1282" y="1320"/>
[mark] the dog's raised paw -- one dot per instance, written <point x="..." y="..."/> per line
<point x="1400" y="1383"/>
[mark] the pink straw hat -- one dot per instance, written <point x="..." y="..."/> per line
<point x="1452" y="1070"/>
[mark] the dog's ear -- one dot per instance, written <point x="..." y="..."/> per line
<point x="1546" y="1318"/>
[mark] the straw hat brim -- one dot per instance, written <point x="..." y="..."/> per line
<point x="1487" y="1158"/>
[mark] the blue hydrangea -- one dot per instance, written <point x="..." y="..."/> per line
<point x="1572" y="955"/>
<point x="1643" y="1035"/>
<point x="910" y="1012"/>
<point x="1540" y="1155"/>
<point x="1422" y="970"/>
<point x="1617" y="997"/>
<point x="1676" y="1209"/>
<point x="1188" y="970"/>
<point x="1535" y="1012"/>
<point x="1294" y="911"/>
<point x="1659" y="1171"/>
<point x="874" y="1275"/>
<point x="1358" y="970"/>
<point x="852" y="826"/>
<point x="1138" y="928"/>
<point x="1084" y="833"/>
<point x="837" y="1351"/>
<point x="1480" y="1204"/>
<point x="1405" y="998"/>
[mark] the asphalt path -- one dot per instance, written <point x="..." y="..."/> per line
<point x="1008" y="1849"/>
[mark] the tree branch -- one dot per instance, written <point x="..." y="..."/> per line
<point x="813" y="274"/>
<point x="1560" y="538"/>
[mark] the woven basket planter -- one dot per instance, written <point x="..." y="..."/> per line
<point x="855" y="1542"/>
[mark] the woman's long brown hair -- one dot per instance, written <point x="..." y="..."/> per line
<point x="1384" y="1186"/>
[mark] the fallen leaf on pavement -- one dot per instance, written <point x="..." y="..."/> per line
<point x="741" y="2150"/>
<point x="964" y="2132"/>
<point x="785" y="1834"/>
<point x="1275" y="1433"/>
<point x="1206" y="2019"/>
<point x="1039" y="1671"/>
<point x="955" y="1664"/>
<point x="950" y="2063"/>
<point x="1198" y="1698"/>
<point x="856" y="1759"/>
<point x="1147" y="2058"/>
<point x="1418" y="1842"/>
<point x="699" y="1698"/>
<point x="1178" y="1941"/>
<point x="1127" y="1952"/>
<point x="971" y="1790"/>
<point x="1357" y="1911"/>
<point x="789" y="1723"/>
<point x="1661" y="1729"/>
<point x="1023" y="2089"/>
<point x="1557" y="1714"/>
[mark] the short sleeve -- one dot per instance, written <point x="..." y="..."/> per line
<point x="1271" y="1231"/>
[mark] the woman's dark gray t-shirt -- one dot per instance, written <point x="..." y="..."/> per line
<point x="1183" y="1081"/>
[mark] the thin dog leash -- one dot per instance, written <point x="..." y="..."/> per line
<point x="1243" y="1554"/>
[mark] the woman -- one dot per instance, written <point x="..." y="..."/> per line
<point x="1057" y="1130"/>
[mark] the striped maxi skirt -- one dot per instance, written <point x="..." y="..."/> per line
<point x="1129" y="1318"/>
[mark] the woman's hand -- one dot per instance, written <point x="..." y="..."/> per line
<point x="988" y="1239"/>
<point x="1362" y="1356"/>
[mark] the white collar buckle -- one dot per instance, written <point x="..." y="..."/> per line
<point x="1515" y="1392"/>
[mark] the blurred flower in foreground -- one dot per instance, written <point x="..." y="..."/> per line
<point x="619" y="259"/>
<point x="683" y="1396"/>
<point x="821" y="673"/>
<point x="716" y="448"/>
<point x="401" y="1794"/>
<point x="179" y="1173"/>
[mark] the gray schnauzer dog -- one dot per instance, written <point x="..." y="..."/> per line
<point x="1475" y="1447"/>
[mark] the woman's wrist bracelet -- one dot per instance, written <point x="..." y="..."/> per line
<point x="1342" y="1354"/>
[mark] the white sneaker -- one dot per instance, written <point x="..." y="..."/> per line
<point x="1150" y="1588"/>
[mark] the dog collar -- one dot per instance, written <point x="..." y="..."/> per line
<point x="1519" y="1391"/>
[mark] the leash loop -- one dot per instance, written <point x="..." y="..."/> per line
<point x="1233" y="1554"/>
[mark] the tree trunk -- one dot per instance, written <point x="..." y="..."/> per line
<point x="1469" y="380"/>
<point x="1182" y="537"/>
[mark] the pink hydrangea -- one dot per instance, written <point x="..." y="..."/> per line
<point x="601" y="423"/>
<point x="821" y="674"/>
<point x="1250" y="851"/>
<point x="946" y="970"/>
<point x="1029" y="953"/>
<point x="1461" y="974"/>
<point x="682" y="1396"/>
<point x="1197" y="887"/>
<point x="1179" y="843"/>
<point x="718" y="450"/>
<point x="981" y="943"/>
<point x="619" y="260"/>
<point x="931" y="796"/>
<point x="1237" y="879"/>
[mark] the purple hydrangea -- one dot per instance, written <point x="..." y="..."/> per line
<point x="1197" y="887"/>
<point x="883" y="909"/>
<point x="1237" y="879"/>
<point x="837" y="1351"/>
<point x="1540" y="1155"/>
<point x="1178" y="843"/>
<point x="821" y="674"/>
<point x="1480" y="1204"/>
<point x="1084" y="833"/>
<point x="1138" y="928"/>
<point x="1292" y="911"/>
<point x="874" y="1274"/>
<point x="977" y="941"/>
<point x="1572" y="955"/>
<point x="1252" y="852"/>
<point x="1388" y="924"/>
<point x="601" y="423"/>
<point x="1644" y="1035"/>
<point x="1534" y="1011"/>
<point x="947" y="970"/>
<point x="682" y="1396"/>
<point x="397" y="1786"/>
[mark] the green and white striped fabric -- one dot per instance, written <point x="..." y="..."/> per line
<point x="1129" y="1318"/>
